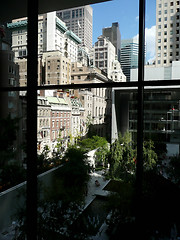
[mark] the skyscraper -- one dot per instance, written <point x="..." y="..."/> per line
<point x="167" y="32"/>
<point x="129" y="56"/>
<point x="80" y="21"/>
<point x="114" y="36"/>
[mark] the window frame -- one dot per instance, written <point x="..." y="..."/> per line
<point x="32" y="107"/>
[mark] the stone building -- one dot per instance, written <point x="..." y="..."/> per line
<point x="103" y="54"/>
<point x="53" y="35"/>
<point x="60" y="126"/>
<point x="43" y="124"/>
<point x="56" y="68"/>
<point x="94" y="99"/>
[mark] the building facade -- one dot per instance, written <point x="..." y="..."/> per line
<point x="129" y="56"/>
<point x="114" y="35"/>
<point x="167" y="32"/>
<point x="93" y="100"/>
<point x="43" y="124"/>
<point x="103" y="55"/>
<point x="56" y="68"/>
<point x="80" y="21"/>
<point x="60" y="121"/>
<point x="53" y="35"/>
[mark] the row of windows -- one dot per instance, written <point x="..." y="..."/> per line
<point x="62" y="114"/>
<point x="61" y="124"/>
<point x="101" y="55"/>
<point x="44" y="113"/>
<point x="165" y="40"/>
<point x="58" y="75"/>
<point x="171" y="18"/>
<point x="44" y="122"/>
<point x="57" y="67"/>
<point x="170" y="54"/>
<point x="166" y="11"/>
<point x="166" y="4"/>
<point x="165" y="61"/>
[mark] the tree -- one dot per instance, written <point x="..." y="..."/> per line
<point x="101" y="155"/>
<point x="123" y="157"/>
<point x="63" y="201"/>
<point x="8" y="135"/>
<point x="75" y="169"/>
<point x="58" y="151"/>
<point x="149" y="155"/>
<point x="173" y="169"/>
<point x="122" y="161"/>
<point x="11" y="175"/>
<point x="93" y="142"/>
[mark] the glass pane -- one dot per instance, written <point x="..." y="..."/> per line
<point x="72" y="125"/>
<point x="12" y="161"/>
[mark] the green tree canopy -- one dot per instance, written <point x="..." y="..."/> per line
<point x="123" y="157"/>
<point x="93" y="142"/>
<point x="8" y="133"/>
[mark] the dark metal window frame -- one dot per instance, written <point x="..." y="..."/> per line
<point x="32" y="108"/>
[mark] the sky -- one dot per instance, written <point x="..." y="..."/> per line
<point x="126" y="13"/>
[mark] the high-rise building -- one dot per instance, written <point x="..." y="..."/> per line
<point x="129" y="56"/>
<point x="53" y="35"/>
<point x="167" y="32"/>
<point x="80" y="21"/>
<point x="114" y="35"/>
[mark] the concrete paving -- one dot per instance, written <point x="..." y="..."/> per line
<point x="94" y="190"/>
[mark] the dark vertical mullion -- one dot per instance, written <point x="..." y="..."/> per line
<point x="32" y="119"/>
<point x="140" y="99"/>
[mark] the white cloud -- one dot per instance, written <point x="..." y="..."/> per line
<point x="137" y="18"/>
<point x="150" y="38"/>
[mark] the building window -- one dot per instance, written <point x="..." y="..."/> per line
<point x="101" y="42"/>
